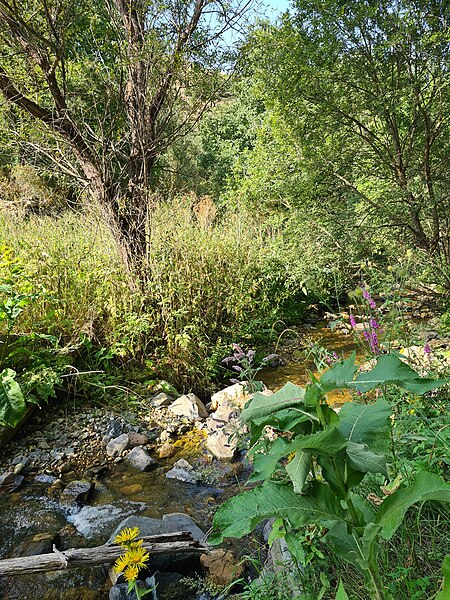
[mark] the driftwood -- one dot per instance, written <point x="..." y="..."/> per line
<point x="166" y="543"/>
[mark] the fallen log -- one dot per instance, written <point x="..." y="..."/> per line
<point x="166" y="543"/>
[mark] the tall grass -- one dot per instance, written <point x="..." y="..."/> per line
<point x="212" y="280"/>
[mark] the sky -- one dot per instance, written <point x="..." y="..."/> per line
<point x="276" y="7"/>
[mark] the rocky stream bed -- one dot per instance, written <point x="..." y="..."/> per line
<point x="73" y="476"/>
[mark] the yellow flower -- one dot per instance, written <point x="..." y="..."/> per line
<point x="138" y="557"/>
<point x="121" y="563"/>
<point x="131" y="573"/>
<point x="126" y="536"/>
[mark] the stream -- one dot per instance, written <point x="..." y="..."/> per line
<point x="36" y="506"/>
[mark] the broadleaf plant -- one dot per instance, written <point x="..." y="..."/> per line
<point x="310" y="458"/>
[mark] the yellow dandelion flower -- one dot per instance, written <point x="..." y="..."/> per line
<point x="126" y="536"/>
<point x="121" y="563"/>
<point x="131" y="573"/>
<point x="138" y="556"/>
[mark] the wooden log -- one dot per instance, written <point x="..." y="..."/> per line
<point x="166" y="543"/>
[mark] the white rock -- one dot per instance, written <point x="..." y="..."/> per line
<point x="189" y="406"/>
<point x="116" y="446"/>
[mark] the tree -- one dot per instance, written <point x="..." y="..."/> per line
<point x="364" y="86"/>
<point x="115" y="83"/>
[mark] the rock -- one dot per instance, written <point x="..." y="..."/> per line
<point x="76" y="492"/>
<point x="182" y="471"/>
<point x="116" y="446"/>
<point x="170" y="523"/>
<point x="130" y="490"/>
<point x="167" y="450"/>
<point x="189" y="406"/>
<point x="43" y="478"/>
<point x="120" y="592"/>
<point x="9" y="482"/>
<point x="114" y="428"/>
<point x="139" y="459"/>
<point x="97" y="521"/>
<point x="222" y="566"/>
<point x="43" y="445"/>
<point x="219" y="444"/>
<point x="20" y="459"/>
<point x="233" y="395"/>
<point x="41" y="543"/>
<point x="18" y="469"/>
<point x="162" y="399"/>
<point x="137" y="439"/>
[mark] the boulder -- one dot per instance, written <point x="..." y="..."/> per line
<point x="117" y="445"/>
<point x="222" y="567"/>
<point x="233" y="395"/>
<point x="167" y="450"/>
<point x="161" y="399"/>
<point x="137" y="439"/>
<point x="76" y="492"/>
<point x="220" y="445"/>
<point x="9" y="482"/>
<point x="189" y="406"/>
<point x="140" y="459"/>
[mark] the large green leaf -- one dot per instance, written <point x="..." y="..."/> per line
<point x="329" y="442"/>
<point x="426" y="486"/>
<point x="240" y="515"/>
<point x="12" y="401"/>
<point x="261" y="405"/>
<point x="298" y="470"/>
<point x="366" y="424"/>
<point x="364" y="460"/>
<point x="390" y="369"/>
<point x="340" y="375"/>
<point x="444" y="594"/>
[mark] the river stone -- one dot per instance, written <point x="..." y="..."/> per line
<point x="120" y="592"/>
<point x="182" y="475"/>
<point x="221" y="566"/>
<point x="76" y="492"/>
<point x="219" y="444"/>
<point x="139" y="459"/>
<point x="170" y="523"/>
<point x="114" y="428"/>
<point x="189" y="406"/>
<point x="137" y="439"/>
<point x="116" y="446"/>
<point x="234" y="395"/>
<point x="162" y="399"/>
<point x="9" y="482"/>
<point x="167" y="450"/>
<point x="41" y="543"/>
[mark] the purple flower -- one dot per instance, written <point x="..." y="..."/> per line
<point x="352" y="321"/>
<point x="237" y="368"/>
<point x="237" y="348"/>
<point x="228" y="359"/>
<point x="372" y="304"/>
<point x="235" y="381"/>
<point x="328" y="360"/>
<point x="427" y="349"/>
<point x="335" y="356"/>
<point x="373" y="324"/>
<point x="270" y="357"/>
<point x="369" y="298"/>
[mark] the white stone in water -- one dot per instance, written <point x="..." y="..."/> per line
<point x="116" y="446"/>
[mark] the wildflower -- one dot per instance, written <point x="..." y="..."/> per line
<point x="138" y="557"/>
<point x="427" y="349"/>
<point x="126" y="535"/>
<point x="373" y="324"/>
<point x="352" y="321"/>
<point x="121" y="563"/>
<point x="131" y="573"/>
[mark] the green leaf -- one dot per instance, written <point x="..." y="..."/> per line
<point x="366" y="423"/>
<point x="298" y="470"/>
<point x="261" y="405"/>
<point x="444" y="594"/>
<point x="339" y="376"/>
<point x="12" y="401"/>
<point x="341" y="593"/>
<point x="364" y="460"/>
<point x="390" y="369"/>
<point x="265" y="463"/>
<point x="240" y="515"/>
<point x="426" y="486"/>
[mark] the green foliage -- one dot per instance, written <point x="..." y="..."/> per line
<point x="312" y="466"/>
